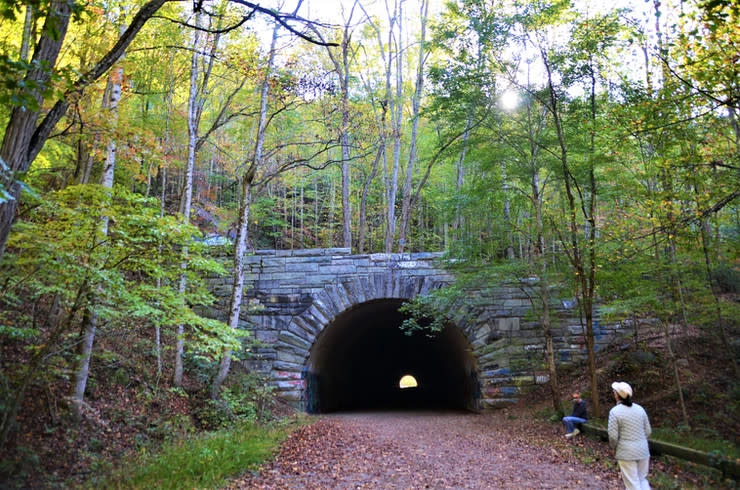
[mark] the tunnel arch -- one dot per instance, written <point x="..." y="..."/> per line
<point x="359" y="357"/>
<point x="311" y="331"/>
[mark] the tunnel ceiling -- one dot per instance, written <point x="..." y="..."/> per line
<point x="359" y="358"/>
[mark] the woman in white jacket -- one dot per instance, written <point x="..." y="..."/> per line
<point x="629" y="429"/>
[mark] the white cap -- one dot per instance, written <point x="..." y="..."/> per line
<point x="623" y="389"/>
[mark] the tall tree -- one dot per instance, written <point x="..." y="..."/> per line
<point x="24" y="135"/>
<point x="111" y="98"/>
<point x="415" y="110"/>
<point x="247" y="183"/>
<point x="395" y="109"/>
<point x="341" y="62"/>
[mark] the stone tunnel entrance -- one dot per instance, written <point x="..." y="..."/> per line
<point x="358" y="360"/>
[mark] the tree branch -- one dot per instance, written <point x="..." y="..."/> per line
<point x="204" y="29"/>
<point x="60" y="107"/>
<point x="283" y="19"/>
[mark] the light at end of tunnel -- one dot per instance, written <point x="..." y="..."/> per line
<point x="407" y="381"/>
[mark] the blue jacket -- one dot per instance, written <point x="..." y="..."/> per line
<point x="579" y="410"/>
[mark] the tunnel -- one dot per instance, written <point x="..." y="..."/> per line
<point x="358" y="360"/>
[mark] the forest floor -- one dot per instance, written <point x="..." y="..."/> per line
<point x="453" y="450"/>
<point x="438" y="450"/>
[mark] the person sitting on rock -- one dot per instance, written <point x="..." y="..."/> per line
<point x="579" y="416"/>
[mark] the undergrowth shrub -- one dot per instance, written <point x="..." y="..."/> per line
<point x="205" y="461"/>
<point x="245" y="400"/>
<point x="727" y="279"/>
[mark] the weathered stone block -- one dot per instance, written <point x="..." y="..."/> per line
<point x="337" y="251"/>
<point x="330" y="298"/>
<point x="293" y="395"/>
<point x="287" y="366"/>
<point x="497" y="403"/>
<point x="507" y="324"/>
<point x="343" y="296"/>
<point x="290" y="385"/>
<point x="295" y="340"/>
<point x="311" y="330"/>
<point x="266" y="336"/>
<point x="282" y="375"/>
<point x="258" y="366"/>
<point x="291" y="357"/>
<point x="338" y="270"/>
<point x="301" y="267"/>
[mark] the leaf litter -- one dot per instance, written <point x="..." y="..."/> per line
<point x="415" y="450"/>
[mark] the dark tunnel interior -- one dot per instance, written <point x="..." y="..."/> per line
<point x="359" y="359"/>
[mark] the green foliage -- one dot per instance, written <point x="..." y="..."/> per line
<point x="244" y="400"/>
<point x="722" y="449"/>
<point x="201" y="462"/>
<point x="15" y="469"/>
<point x="727" y="279"/>
<point x="17" y="91"/>
<point x="58" y="255"/>
<point x="430" y="313"/>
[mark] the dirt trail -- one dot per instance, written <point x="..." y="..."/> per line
<point x="410" y="450"/>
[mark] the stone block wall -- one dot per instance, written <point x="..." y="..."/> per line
<point x="301" y="291"/>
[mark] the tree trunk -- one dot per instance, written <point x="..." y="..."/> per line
<point x="82" y="369"/>
<point x="669" y="347"/>
<point x="396" y="110"/>
<point x="460" y="179"/>
<point x="157" y="327"/>
<point x="344" y="78"/>
<point x="539" y="254"/>
<point x="416" y="103"/>
<point x="112" y="96"/>
<point x="366" y="190"/>
<point x="715" y="294"/>
<point x="17" y="141"/>
<point x="187" y="195"/>
<point x="240" y="249"/>
<point x="676" y="374"/>
<point x="28" y="33"/>
<point x="575" y="253"/>
<point x="235" y="302"/>
<point x="23" y="140"/>
<point x="507" y="215"/>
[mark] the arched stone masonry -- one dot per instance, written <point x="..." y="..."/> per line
<point x="301" y="292"/>
<point x="294" y="342"/>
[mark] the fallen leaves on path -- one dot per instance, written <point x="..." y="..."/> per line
<point x="437" y="450"/>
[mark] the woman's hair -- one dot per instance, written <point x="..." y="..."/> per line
<point x="627" y="402"/>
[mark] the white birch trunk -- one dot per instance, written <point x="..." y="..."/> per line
<point x="27" y="33"/>
<point x="396" y="117"/>
<point x="416" y="103"/>
<point x="187" y="196"/>
<point x="235" y="303"/>
<point x="82" y="370"/>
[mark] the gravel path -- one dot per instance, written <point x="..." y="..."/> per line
<point x="411" y="450"/>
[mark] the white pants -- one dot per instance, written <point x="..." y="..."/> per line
<point x="634" y="473"/>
